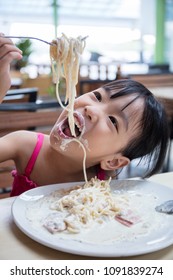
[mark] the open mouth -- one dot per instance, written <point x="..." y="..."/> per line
<point x="64" y="128"/>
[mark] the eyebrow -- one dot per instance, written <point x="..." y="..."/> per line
<point x="121" y="114"/>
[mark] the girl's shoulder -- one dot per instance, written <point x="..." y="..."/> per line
<point x="17" y="145"/>
<point x="22" y="138"/>
<point x="22" y="135"/>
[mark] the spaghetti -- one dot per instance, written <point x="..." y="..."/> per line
<point x="65" y="57"/>
<point x="82" y="206"/>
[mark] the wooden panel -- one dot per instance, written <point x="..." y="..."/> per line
<point x="154" y="80"/>
<point x="11" y="121"/>
<point x="5" y="180"/>
<point x="42" y="82"/>
<point x="85" y="85"/>
<point x="4" y="195"/>
<point x="168" y="104"/>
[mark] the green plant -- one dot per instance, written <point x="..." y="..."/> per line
<point x="62" y="88"/>
<point x="25" y="45"/>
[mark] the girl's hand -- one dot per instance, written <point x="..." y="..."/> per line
<point x="8" y="52"/>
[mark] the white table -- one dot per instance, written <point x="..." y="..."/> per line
<point x="163" y="92"/>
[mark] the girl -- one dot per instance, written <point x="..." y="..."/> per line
<point x="117" y="123"/>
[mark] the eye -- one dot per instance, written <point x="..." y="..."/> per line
<point x="114" y="121"/>
<point x="97" y="95"/>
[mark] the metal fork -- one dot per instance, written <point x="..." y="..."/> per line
<point x="34" y="38"/>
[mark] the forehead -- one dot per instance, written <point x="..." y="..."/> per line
<point x="125" y="100"/>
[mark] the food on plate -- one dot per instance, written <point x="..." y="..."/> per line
<point x="81" y="207"/>
<point x="100" y="212"/>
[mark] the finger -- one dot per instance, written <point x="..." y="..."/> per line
<point x="8" y="58"/>
<point x="7" y="48"/>
<point x="4" y="41"/>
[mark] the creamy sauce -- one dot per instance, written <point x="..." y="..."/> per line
<point x="134" y="205"/>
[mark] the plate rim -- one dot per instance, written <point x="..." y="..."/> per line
<point x="88" y="252"/>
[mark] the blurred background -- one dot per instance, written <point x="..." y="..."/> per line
<point x="135" y="33"/>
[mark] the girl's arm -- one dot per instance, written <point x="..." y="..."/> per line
<point x="8" y="52"/>
<point x="9" y="146"/>
<point x="17" y="145"/>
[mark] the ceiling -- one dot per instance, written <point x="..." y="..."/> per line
<point x="90" y="12"/>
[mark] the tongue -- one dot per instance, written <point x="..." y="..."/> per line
<point x="67" y="132"/>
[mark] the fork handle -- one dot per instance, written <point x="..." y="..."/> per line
<point x="27" y="37"/>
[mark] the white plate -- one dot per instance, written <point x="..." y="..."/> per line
<point x="159" y="237"/>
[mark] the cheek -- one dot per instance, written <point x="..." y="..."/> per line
<point x="62" y="116"/>
<point x="54" y="141"/>
<point x="101" y="144"/>
<point x="53" y="134"/>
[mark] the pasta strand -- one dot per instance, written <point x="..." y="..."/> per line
<point x="65" y="57"/>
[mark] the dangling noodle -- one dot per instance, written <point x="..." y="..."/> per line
<point x="65" y="56"/>
<point x="84" y="158"/>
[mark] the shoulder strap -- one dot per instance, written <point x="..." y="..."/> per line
<point x="101" y="173"/>
<point x="32" y="160"/>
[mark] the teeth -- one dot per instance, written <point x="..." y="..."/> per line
<point x="77" y="123"/>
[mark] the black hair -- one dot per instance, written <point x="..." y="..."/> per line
<point x="152" y="140"/>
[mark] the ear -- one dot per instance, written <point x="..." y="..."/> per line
<point x="115" y="163"/>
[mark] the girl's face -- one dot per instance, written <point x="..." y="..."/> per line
<point x="107" y="126"/>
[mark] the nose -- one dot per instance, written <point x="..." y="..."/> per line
<point x="92" y="113"/>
